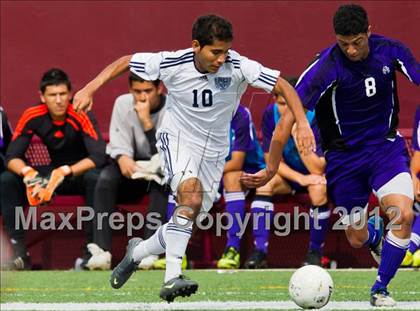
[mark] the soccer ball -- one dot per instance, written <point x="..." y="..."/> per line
<point x="310" y="287"/>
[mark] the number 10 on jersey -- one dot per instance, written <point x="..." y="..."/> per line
<point x="206" y="98"/>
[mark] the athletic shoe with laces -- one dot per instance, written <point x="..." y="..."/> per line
<point x="376" y="249"/>
<point x="178" y="286"/>
<point x="126" y="267"/>
<point x="381" y="298"/>
<point x="230" y="259"/>
<point x="257" y="260"/>
<point x="313" y="257"/>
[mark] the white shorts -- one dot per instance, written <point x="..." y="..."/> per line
<point x="179" y="163"/>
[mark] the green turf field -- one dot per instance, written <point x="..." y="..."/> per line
<point x="143" y="287"/>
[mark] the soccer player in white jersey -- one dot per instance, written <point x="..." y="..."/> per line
<point x="205" y="83"/>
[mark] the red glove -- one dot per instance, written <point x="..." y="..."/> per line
<point x="33" y="183"/>
<point x="56" y="178"/>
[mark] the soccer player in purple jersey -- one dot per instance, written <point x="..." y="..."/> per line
<point x="352" y="85"/>
<point x="412" y="257"/>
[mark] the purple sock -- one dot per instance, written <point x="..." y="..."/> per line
<point x="415" y="235"/>
<point x="317" y="235"/>
<point x="235" y="206"/>
<point x="393" y="253"/>
<point x="170" y="207"/>
<point x="262" y="215"/>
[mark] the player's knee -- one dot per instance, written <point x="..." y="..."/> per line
<point x="356" y="243"/>
<point x="318" y="194"/>
<point x="231" y="181"/>
<point x="356" y="238"/>
<point x="405" y="217"/>
<point x="267" y="189"/>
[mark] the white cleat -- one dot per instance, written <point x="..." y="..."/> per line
<point x="100" y="259"/>
<point x="382" y="299"/>
<point x="147" y="263"/>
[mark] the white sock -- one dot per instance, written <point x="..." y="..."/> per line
<point x="176" y="238"/>
<point x="155" y="245"/>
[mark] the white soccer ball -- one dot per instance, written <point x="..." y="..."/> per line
<point x="310" y="287"/>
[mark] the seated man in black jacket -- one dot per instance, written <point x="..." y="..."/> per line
<point x="76" y="149"/>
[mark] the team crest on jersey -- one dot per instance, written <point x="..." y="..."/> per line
<point x="385" y="70"/>
<point x="222" y="83"/>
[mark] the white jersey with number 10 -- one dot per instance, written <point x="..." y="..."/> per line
<point x="200" y="106"/>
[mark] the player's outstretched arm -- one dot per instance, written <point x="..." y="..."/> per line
<point x="83" y="99"/>
<point x="280" y="137"/>
<point x="304" y="136"/>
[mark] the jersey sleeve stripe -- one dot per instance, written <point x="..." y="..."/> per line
<point x="307" y="69"/>
<point x="27" y="116"/>
<point x="72" y="123"/>
<point x="176" y="64"/>
<point x="137" y="63"/>
<point x="404" y="70"/>
<point x="177" y="58"/>
<point x="166" y="61"/>
<point x="269" y="77"/>
<point x="138" y="71"/>
<point x="270" y="83"/>
<point x="85" y="122"/>
<point x="137" y="66"/>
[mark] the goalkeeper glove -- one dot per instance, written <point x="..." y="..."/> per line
<point x="34" y="183"/>
<point x="56" y="178"/>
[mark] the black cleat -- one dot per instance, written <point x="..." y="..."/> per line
<point x="313" y="258"/>
<point x="126" y="267"/>
<point x="257" y="260"/>
<point x="179" y="286"/>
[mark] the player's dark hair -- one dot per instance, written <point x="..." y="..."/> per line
<point x="350" y="19"/>
<point x="208" y="28"/>
<point x="133" y="77"/>
<point x="54" y="76"/>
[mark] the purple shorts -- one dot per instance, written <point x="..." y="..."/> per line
<point x="353" y="174"/>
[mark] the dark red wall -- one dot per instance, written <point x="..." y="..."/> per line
<point x="82" y="37"/>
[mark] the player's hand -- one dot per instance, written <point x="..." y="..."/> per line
<point x="143" y="113"/>
<point x="256" y="180"/>
<point x="33" y="182"/>
<point x="312" y="179"/>
<point x="127" y="166"/>
<point x="305" y="139"/>
<point x="56" y="178"/>
<point x="83" y="101"/>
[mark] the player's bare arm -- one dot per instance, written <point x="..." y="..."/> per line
<point x="83" y="99"/>
<point x="304" y="136"/>
<point x="281" y="135"/>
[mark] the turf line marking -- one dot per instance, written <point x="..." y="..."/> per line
<point x="198" y="305"/>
